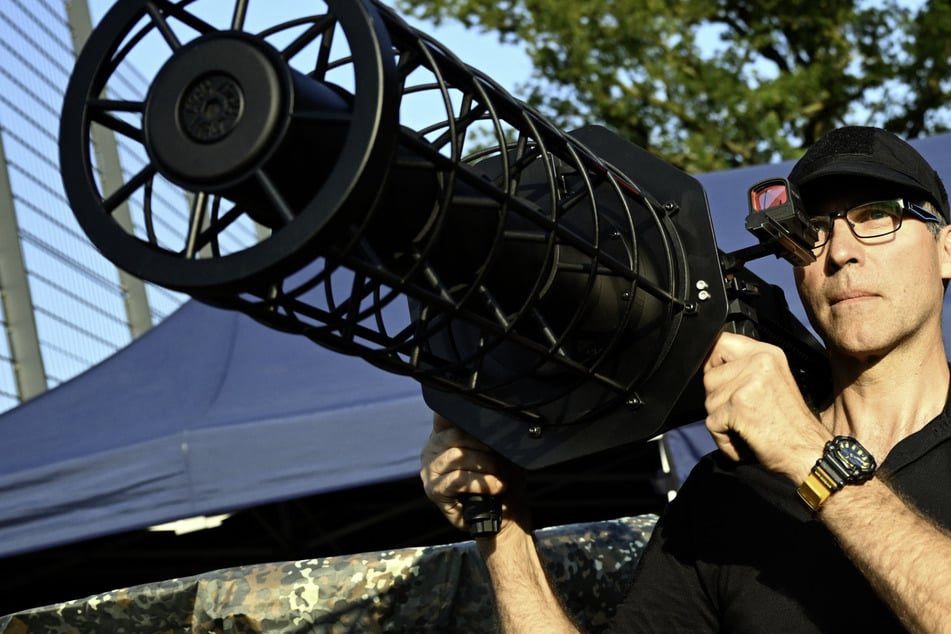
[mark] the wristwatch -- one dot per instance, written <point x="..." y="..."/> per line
<point x="844" y="461"/>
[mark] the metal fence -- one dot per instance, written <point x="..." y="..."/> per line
<point x="63" y="307"/>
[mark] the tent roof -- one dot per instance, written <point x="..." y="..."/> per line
<point x="210" y="412"/>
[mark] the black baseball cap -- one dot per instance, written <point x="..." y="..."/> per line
<point x="870" y="153"/>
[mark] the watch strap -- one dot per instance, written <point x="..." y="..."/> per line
<point x="832" y="469"/>
<point x="817" y="487"/>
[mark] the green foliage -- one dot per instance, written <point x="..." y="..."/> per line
<point x="715" y="84"/>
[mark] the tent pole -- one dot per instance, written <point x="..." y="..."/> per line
<point x="26" y="357"/>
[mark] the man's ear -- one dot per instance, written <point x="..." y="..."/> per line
<point x="944" y="251"/>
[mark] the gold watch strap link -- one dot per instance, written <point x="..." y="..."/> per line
<point x="817" y="487"/>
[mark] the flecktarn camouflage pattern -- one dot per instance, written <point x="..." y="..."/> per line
<point x="432" y="589"/>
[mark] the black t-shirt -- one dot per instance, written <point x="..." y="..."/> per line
<point x="737" y="551"/>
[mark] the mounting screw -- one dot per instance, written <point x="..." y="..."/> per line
<point x="704" y="294"/>
<point x="535" y="431"/>
<point x="671" y="208"/>
<point x="634" y="402"/>
<point x="626" y="296"/>
<point x="615" y="234"/>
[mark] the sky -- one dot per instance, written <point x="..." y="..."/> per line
<point x="505" y="63"/>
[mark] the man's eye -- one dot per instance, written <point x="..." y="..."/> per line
<point x="871" y="213"/>
<point x="867" y="215"/>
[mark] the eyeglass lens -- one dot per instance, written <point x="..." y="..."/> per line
<point x="870" y="220"/>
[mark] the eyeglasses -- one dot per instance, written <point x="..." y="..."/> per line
<point x="870" y="220"/>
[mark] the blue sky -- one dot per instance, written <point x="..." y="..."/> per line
<point x="506" y="64"/>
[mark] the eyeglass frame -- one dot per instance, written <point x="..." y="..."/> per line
<point x="916" y="211"/>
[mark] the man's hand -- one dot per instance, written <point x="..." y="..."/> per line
<point x="753" y="402"/>
<point x="454" y="463"/>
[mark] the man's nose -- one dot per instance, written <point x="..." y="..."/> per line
<point x="843" y="244"/>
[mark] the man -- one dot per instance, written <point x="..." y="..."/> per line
<point x="784" y="529"/>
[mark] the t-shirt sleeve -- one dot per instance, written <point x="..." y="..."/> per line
<point x="672" y="590"/>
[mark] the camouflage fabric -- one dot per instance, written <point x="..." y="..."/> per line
<point x="439" y="588"/>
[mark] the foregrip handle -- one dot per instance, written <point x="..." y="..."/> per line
<point x="482" y="514"/>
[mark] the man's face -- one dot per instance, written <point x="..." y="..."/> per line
<point x="865" y="297"/>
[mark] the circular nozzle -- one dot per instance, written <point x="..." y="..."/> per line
<point x="217" y="110"/>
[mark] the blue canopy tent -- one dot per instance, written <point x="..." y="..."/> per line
<point x="208" y="412"/>
<point x="211" y="411"/>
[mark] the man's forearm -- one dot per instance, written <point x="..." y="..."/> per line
<point x="524" y="598"/>
<point x="905" y="557"/>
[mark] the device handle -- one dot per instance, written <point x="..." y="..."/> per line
<point x="482" y="514"/>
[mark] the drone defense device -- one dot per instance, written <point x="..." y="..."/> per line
<point x="553" y="293"/>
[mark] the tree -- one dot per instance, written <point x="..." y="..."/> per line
<point x="715" y="84"/>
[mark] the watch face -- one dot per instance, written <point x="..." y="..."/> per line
<point x="854" y="455"/>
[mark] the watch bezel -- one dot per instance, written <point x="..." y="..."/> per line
<point x="850" y="458"/>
